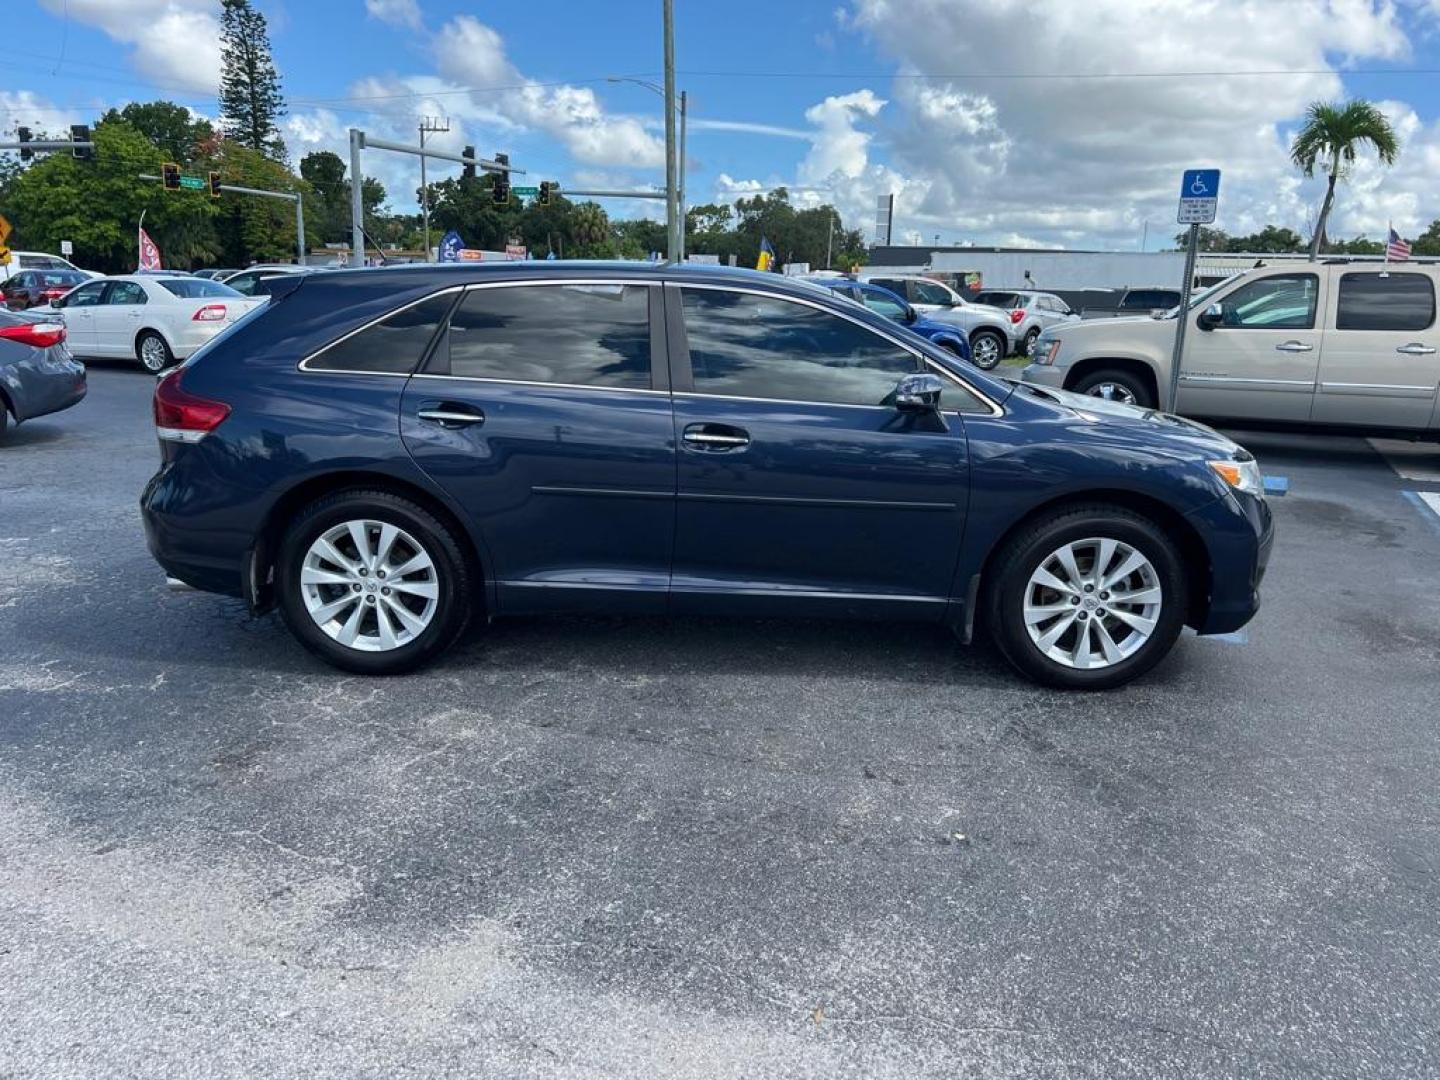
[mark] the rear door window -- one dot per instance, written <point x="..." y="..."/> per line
<point x="572" y="335"/>
<point x="928" y="292"/>
<point x="748" y="345"/>
<point x="1385" y="301"/>
<point x="126" y="292"/>
<point x="393" y="346"/>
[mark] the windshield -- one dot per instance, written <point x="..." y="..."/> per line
<point x="197" y="288"/>
<point x="1200" y="299"/>
<point x="1000" y="299"/>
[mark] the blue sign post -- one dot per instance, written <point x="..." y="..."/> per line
<point x="1199" y="195"/>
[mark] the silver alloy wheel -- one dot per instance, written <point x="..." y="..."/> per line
<point x="1112" y="391"/>
<point x="985" y="351"/>
<point x="1092" y="603"/>
<point x="369" y="585"/>
<point x="152" y="353"/>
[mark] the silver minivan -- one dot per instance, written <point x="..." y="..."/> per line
<point x="1341" y="343"/>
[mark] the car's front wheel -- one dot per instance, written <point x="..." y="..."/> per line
<point x="1115" y="384"/>
<point x="153" y="352"/>
<point x="987" y="348"/>
<point x="1028" y="348"/>
<point x="1088" y="598"/>
<point x="372" y="582"/>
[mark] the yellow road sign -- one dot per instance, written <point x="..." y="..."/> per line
<point x="4" y="230"/>
<point x="4" y="255"/>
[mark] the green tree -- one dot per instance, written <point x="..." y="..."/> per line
<point x="590" y="228"/>
<point x="169" y="126"/>
<point x="1333" y="134"/>
<point x="97" y="204"/>
<point x="250" y="98"/>
<point x="250" y="228"/>
<point x="1428" y="242"/>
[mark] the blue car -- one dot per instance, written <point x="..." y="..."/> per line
<point x="388" y="454"/>
<point x="886" y="303"/>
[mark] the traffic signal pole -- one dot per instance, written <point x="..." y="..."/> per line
<point x="360" y="141"/>
<point x="292" y="196"/>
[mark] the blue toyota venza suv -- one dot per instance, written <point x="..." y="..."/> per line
<point x="388" y="454"/>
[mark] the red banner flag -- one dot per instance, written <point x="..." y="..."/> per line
<point x="149" y="253"/>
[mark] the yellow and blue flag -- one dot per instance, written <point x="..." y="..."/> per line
<point x="766" y="261"/>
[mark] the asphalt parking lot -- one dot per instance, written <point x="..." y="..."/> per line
<point x="591" y="848"/>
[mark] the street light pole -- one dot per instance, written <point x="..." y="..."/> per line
<point x="428" y="124"/>
<point x="672" y="195"/>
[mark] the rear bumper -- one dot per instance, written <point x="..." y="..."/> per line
<point x="39" y="386"/>
<point x="1240" y="534"/>
<point x="182" y="535"/>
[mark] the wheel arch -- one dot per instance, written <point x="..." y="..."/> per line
<point x="1187" y="538"/>
<point x="259" y="575"/>
<point x="1142" y="369"/>
<point x="158" y="331"/>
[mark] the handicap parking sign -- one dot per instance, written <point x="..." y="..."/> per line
<point x="1199" y="193"/>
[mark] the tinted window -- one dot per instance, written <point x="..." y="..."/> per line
<point x="581" y="335"/>
<point x="196" y="288"/>
<point x="881" y="304"/>
<point x="394" y="344"/>
<point x="757" y="346"/>
<point x="1385" y="302"/>
<point x="126" y="292"/>
<point x="999" y="299"/>
<point x="927" y="292"/>
<point x="86" y="295"/>
<point x="894" y="285"/>
<point x="244" y="284"/>
<point x="1282" y="302"/>
<point x="59" y="278"/>
<point x="1149" y="299"/>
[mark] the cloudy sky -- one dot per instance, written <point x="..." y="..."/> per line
<point x="1027" y="122"/>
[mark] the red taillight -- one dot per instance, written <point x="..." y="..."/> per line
<point x="209" y="313"/>
<point x="40" y="335"/>
<point x="54" y="294"/>
<point x="1017" y="315"/>
<point x="182" y="417"/>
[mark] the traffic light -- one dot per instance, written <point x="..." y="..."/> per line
<point x="170" y="176"/>
<point x="214" y="185"/>
<point x="23" y="134"/>
<point x="501" y="190"/>
<point x="80" y="133"/>
<point x="470" y="165"/>
<point x="544" y="196"/>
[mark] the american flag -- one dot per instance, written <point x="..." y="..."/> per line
<point x="1397" y="250"/>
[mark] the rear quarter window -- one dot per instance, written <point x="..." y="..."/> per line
<point x="1385" y="301"/>
<point x="393" y="346"/>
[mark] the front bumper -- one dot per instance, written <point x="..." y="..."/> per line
<point x="1043" y="375"/>
<point x="1239" y="532"/>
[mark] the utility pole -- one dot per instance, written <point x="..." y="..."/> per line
<point x="681" y="171"/>
<point x="357" y="199"/>
<point x="673" y="229"/>
<point x="428" y="124"/>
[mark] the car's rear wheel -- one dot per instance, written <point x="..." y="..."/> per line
<point x="152" y="352"/>
<point x="1088" y="598"/>
<point x="987" y="348"/>
<point x="1031" y="337"/>
<point x="372" y="582"/>
<point x="1115" y="384"/>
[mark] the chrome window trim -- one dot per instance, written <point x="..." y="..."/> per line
<point x="995" y="409"/>
<point x="303" y="365"/>
<point x="534" y="382"/>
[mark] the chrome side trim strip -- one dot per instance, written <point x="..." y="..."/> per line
<point x="1383" y="389"/>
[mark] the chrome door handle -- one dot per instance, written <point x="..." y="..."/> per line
<point x="715" y="437"/>
<point x="1415" y="349"/>
<point x="452" y="416"/>
<point x="1293" y="346"/>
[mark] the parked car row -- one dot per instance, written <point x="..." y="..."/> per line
<point x="990" y="331"/>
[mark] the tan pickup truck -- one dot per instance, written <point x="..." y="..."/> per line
<point x="1344" y="343"/>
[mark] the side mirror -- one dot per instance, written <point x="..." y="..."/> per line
<point x="919" y="393"/>
<point x="910" y="315"/>
<point x="58" y="302"/>
<point x="1211" y="317"/>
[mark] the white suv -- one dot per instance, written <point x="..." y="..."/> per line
<point x="991" y="334"/>
<point x="38" y="260"/>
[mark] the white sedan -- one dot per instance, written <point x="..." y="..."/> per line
<point x="154" y="318"/>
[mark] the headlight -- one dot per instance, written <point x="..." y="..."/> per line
<point x="1242" y="475"/>
<point x="1046" y="351"/>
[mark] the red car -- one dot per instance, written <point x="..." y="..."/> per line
<point x="31" y="288"/>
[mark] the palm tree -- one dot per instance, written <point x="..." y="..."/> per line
<point x="1335" y="132"/>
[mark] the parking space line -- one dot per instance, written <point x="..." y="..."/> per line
<point x="1428" y="503"/>
<point x="1410" y="460"/>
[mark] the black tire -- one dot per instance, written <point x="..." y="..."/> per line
<point x="1028" y="345"/>
<point x="987" y="348"/>
<point x="153" y="352"/>
<point x="1034" y="544"/>
<point x="1125" y="382"/>
<point x="4" y="419"/>
<point x="452" y="576"/>
<point x="954" y="350"/>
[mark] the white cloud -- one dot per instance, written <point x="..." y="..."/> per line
<point x="175" y="43"/>
<point x="1087" y="160"/>
<point x="470" y="53"/>
<point x="396" y="12"/>
<point x="25" y="108"/>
